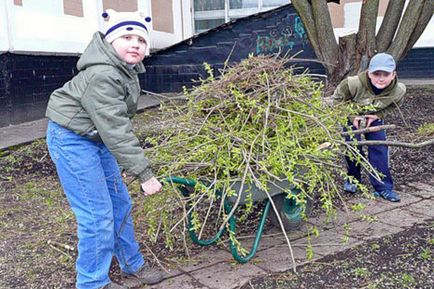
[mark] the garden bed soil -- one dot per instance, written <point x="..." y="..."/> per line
<point x="38" y="240"/>
<point x="403" y="260"/>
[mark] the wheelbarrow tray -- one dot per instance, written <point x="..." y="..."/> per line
<point x="251" y="191"/>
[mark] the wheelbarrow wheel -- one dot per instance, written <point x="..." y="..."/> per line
<point x="290" y="213"/>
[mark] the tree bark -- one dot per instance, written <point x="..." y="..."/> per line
<point x="406" y="27"/>
<point x="366" y="35"/>
<point x="390" y="23"/>
<point x="424" y="19"/>
<point x="304" y="10"/>
<point x="326" y="37"/>
<point x="346" y="61"/>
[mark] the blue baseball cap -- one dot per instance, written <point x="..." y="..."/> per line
<point x="383" y="62"/>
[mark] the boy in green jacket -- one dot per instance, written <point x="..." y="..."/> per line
<point x="89" y="135"/>
<point x="378" y="87"/>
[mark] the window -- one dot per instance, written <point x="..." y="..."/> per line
<point x="203" y="25"/>
<point x="239" y="4"/>
<point x="274" y="3"/>
<point x="212" y="13"/>
<point x="207" y="5"/>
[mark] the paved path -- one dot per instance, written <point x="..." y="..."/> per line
<point x="30" y="131"/>
<point x="216" y="269"/>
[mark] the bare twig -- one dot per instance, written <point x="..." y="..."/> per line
<point x="369" y="129"/>
<point x="243" y="180"/>
<point x="395" y="143"/>
<point x="155" y="258"/>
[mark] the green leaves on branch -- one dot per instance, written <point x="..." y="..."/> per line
<point x="259" y="122"/>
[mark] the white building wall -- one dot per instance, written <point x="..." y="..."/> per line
<point x="352" y="18"/>
<point x="4" y="23"/>
<point x="41" y="27"/>
<point x="427" y="38"/>
<point x="182" y="26"/>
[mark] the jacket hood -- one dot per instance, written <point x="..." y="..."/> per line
<point x="363" y="76"/>
<point x="100" y="52"/>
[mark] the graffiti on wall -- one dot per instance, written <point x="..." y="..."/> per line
<point x="287" y="34"/>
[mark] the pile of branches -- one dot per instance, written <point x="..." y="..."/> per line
<point x="257" y="123"/>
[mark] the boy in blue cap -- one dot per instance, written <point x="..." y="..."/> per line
<point x="379" y="87"/>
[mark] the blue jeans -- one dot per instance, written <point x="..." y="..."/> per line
<point x="378" y="157"/>
<point x="93" y="185"/>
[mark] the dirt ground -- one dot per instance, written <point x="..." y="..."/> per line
<point x="399" y="261"/>
<point x="38" y="241"/>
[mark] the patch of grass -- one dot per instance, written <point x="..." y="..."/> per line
<point x="426" y="254"/>
<point x="37" y="192"/>
<point x="426" y="129"/>
<point x="369" y="218"/>
<point x="361" y="272"/>
<point x="374" y="247"/>
<point x="407" y="280"/>
<point x="404" y="281"/>
<point x="63" y="217"/>
<point x="358" y="207"/>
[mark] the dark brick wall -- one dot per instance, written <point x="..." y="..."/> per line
<point x="26" y="83"/>
<point x="418" y="63"/>
<point x="276" y="31"/>
<point x="5" y="100"/>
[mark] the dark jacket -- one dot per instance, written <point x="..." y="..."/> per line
<point x="358" y="89"/>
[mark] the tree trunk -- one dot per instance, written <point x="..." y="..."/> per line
<point x="389" y="24"/>
<point x="326" y="36"/>
<point x="408" y="24"/>
<point x="424" y="19"/>
<point x="397" y="34"/>
<point x="365" y="45"/>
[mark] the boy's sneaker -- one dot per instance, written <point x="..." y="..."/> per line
<point x="350" y="187"/>
<point x="146" y="275"/>
<point x="389" y="195"/>
<point x="113" y="285"/>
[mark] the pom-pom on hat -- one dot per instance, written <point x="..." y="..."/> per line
<point x="383" y="62"/>
<point x="118" y="24"/>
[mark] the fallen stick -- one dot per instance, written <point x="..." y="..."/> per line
<point x="369" y="129"/>
<point x="60" y="251"/>
<point x="394" y="143"/>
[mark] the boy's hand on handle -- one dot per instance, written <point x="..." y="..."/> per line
<point x="356" y="121"/>
<point x="151" y="186"/>
<point x="370" y="118"/>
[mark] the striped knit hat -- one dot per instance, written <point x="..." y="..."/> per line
<point x="118" y="24"/>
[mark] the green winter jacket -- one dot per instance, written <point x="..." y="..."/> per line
<point x="358" y="89"/>
<point x="103" y="96"/>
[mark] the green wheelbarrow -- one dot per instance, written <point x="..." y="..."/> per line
<point x="289" y="212"/>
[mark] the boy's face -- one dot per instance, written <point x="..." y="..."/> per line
<point x="381" y="79"/>
<point x="131" y="48"/>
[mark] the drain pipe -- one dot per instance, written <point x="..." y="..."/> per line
<point x="8" y="10"/>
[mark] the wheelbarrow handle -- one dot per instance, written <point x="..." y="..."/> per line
<point x="181" y="181"/>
